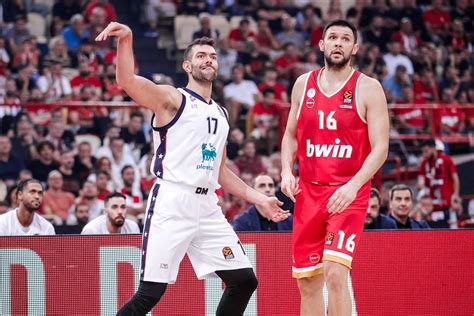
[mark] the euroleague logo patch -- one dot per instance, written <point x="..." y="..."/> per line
<point x="227" y="252"/>
<point x="329" y="239"/>
<point x="310" y="98"/>
<point x="314" y="258"/>
<point x="347" y="97"/>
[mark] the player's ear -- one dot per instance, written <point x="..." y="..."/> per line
<point x="355" y="49"/>
<point x="187" y="65"/>
<point x="321" y="45"/>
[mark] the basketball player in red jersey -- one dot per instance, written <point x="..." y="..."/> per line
<point x="338" y="129"/>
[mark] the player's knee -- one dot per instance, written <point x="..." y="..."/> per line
<point x="247" y="281"/>
<point x="310" y="286"/>
<point x="335" y="275"/>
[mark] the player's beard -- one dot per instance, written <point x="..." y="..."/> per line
<point x="336" y="65"/>
<point x="369" y="220"/>
<point x="198" y="74"/>
<point x="30" y="207"/>
<point x="118" y="221"/>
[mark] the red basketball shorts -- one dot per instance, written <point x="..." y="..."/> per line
<point x="320" y="236"/>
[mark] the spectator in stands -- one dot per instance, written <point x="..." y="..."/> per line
<point x="425" y="89"/>
<point x="27" y="54"/>
<point x="97" y="22"/>
<point x="234" y="143"/>
<point x="227" y="58"/>
<point x="372" y="64"/>
<point x="206" y="29"/>
<point x="103" y="182"/>
<point x="114" y="220"/>
<point x="17" y="33"/>
<point x="53" y="84"/>
<point x="86" y="77"/>
<point x="24" y="82"/>
<point x="394" y="84"/>
<point x="61" y="138"/>
<point x="89" y="197"/>
<point x="4" y="56"/>
<point x="289" y="33"/>
<point x="423" y="209"/>
<point x="308" y="62"/>
<point x="439" y="177"/>
<point x="451" y="115"/>
<point x="409" y="120"/>
<point x="10" y="164"/>
<point x="408" y="39"/>
<point x="265" y="122"/>
<point x="401" y="204"/>
<point x="456" y="215"/>
<point x="464" y="12"/>
<point x="394" y="58"/>
<point x="112" y="91"/>
<point x="75" y="33"/>
<point x="64" y="10"/>
<point x="308" y="18"/>
<point x="240" y="94"/>
<point x="71" y="182"/>
<point x="13" y="8"/>
<point x="267" y="44"/>
<point x="375" y="220"/>
<point x="270" y="77"/>
<point x="410" y="10"/>
<point x="58" y="53"/>
<point x="25" y="139"/>
<point x="252" y="219"/>
<point x="4" y="207"/>
<point x="248" y="161"/>
<point x="7" y="113"/>
<point x="75" y="224"/>
<point x="436" y="21"/>
<point x="56" y="200"/>
<point x="376" y="33"/>
<point x="45" y="163"/>
<point x="84" y="161"/>
<point x="133" y="134"/>
<point x="24" y="220"/>
<point x="334" y="11"/>
<point x="106" y="5"/>
<point x="286" y="62"/>
<point x="133" y="193"/>
<point x="243" y="40"/>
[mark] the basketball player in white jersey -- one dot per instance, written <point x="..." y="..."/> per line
<point x="190" y="132"/>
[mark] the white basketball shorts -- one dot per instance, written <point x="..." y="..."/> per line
<point x="182" y="219"/>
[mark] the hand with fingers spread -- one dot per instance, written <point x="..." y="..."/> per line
<point x="114" y="29"/>
<point x="342" y="198"/>
<point x="289" y="185"/>
<point x="271" y="210"/>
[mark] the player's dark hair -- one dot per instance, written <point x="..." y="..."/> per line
<point x="428" y="142"/>
<point x="342" y="23"/>
<point x="112" y="195"/>
<point x="199" y="41"/>
<point x="374" y="193"/>
<point x="24" y="183"/>
<point x="400" y="187"/>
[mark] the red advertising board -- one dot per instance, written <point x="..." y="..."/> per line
<point x="395" y="273"/>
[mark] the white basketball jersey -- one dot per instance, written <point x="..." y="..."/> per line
<point x="189" y="149"/>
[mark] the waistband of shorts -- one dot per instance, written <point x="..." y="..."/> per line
<point x="205" y="191"/>
<point x="335" y="184"/>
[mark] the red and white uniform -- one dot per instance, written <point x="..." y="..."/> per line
<point x="333" y="143"/>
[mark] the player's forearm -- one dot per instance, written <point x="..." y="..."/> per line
<point x="125" y="61"/>
<point x="289" y="147"/>
<point x="232" y="184"/>
<point x="456" y="184"/>
<point x="371" y="165"/>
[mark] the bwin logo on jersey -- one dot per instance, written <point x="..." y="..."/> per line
<point x="208" y="155"/>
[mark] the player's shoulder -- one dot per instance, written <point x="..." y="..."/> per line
<point x="91" y="227"/>
<point x="367" y="82"/>
<point x="132" y="227"/>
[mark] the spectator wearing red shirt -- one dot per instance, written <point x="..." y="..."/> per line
<point x="425" y="89"/>
<point x="270" y="76"/>
<point x="243" y="40"/>
<point x="410" y="120"/>
<point x="85" y="77"/>
<point x="108" y="7"/>
<point x="436" y="21"/>
<point x="266" y="42"/>
<point x="285" y="63"/>
<point x="409" y="40"/>
<point x="97" y="22"/>
<point x="438" y="175"/>
<point x="265" y="122"/>
<point x="56" y="201"/>
<point x="451" y="118"/>
<point x="248" y="161"/>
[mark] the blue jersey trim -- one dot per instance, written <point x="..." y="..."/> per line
<point x="173" y="121"/>
<point x="146" y="229"/>
<point x="196" y="95"/>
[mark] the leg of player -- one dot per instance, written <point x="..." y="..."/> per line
<point x="335" y="275"/>
<point x="147" y="296"/>
<point x="240" y="285"/>
<point x="311" y="292"/>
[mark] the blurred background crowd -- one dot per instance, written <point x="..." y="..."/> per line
<point x="66" y="122"/>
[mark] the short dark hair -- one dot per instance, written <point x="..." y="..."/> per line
<point x="268" y="90"/>
<point x="374" y="193"/>
<point x="342" y="23"/>
<point x="136" y="114"/>
<point x="125" y="168"/>
<point x="428" y="142"/>
<point x="400" y="187"/>
<point x="24" y="183"/>
<point x="45" y="143"/>
<point x="198" y="41"/>
<point x="112" y="195"/>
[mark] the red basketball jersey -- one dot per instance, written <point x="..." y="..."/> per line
<point x="332" y="136"/>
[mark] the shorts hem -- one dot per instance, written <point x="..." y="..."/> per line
<point x="212" y="273"/>
<point x="158" y="280"/>
<point x="338" y="260"/>
<point x="307" y="274"/>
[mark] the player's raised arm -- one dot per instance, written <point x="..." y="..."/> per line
<point x="289" y="145"/>
<point x="161" y="99"/>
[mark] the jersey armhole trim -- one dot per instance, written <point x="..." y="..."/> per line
<point x="357" y="99"/>
<point x="303" y="95"/>
<point x="173" y="121"/>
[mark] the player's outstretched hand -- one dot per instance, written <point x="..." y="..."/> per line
<point x="272" y="211"/>
<point x="341" y="198"/>
<point x="114" y="29"/>
<point x="289" y="186"/>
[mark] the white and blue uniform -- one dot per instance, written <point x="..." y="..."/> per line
<point x="182" y="212"/>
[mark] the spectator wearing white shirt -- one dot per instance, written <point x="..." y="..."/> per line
<point x="23" y="221"/>
<point x="53" y="84"/>
<point x="241" y="94"/>
<point x="394" y="58"/>
<point x="114" y="219"/>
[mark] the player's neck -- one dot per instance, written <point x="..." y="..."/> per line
<point x="113" y="229"/>
<point x="204" y="89"/>
<point x="336" y="75"/>
<point x="24" y="217"/>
